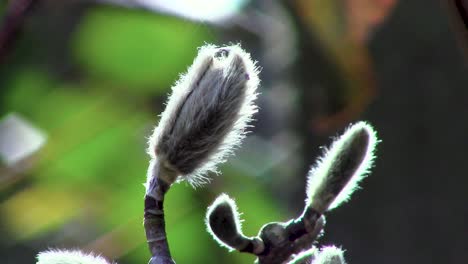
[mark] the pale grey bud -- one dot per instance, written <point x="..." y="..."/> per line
<point x="337" y="174"/>
<point x="305" y="257"/>
<point x="207" y="113"/>
<point x="68" y="257"/>
<point x="224" y="224"/>
<point x="330" y="255"/>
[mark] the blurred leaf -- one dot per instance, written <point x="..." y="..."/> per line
<point x="185" y="224"/>
<point x="87" y="132"/>
<point x="89" y="160"/>
<point x="343" y="29"/>
<point x="26" y="89"/>
<point x="140" y="49"/>
<point x="364" y="15"/>
<point x="139" y="254"/>
<point x="2" y="7"/>
<point x="30" y="213"/>
<point x="96" y="153"/>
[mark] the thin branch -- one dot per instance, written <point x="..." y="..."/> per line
<point x="285" y="240"/>
<point x="12" y="22"/>
<point x="154" y="222"/>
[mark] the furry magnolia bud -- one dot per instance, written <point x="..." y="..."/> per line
<point x="330" y="255"/>
<point x="224" y="224"/>
<point x="68" y="257"/>
<point x="337" y="174"/>
<point x="305" y="257"/>
<point x="207" y="113"/>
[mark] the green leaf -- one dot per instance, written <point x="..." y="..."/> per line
<point x="138" y="48"/>
<point x="26" y="89"/>
<point x="185" y="225"/>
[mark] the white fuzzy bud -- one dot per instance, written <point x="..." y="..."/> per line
<point x="206" y="114"/>
<point x="337" y="174"/>
<point x="330" y="255"/>
<point x="68" y="257"/>
<point x="224" y="224"/>
<point x="305" y="257"/>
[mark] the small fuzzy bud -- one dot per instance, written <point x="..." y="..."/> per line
<point x="337" y="174"/>
<point x="68" y="257"/>
<point x="206" y="114"/>
<point x="330" y="255"/>
<point x="305" y="257"/>
<point x="224" y="224"/>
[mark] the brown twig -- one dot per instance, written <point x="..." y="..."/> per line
<point x="154" y="221"/>
<point x="282" y="241"/>
<point x="12" y="22"/>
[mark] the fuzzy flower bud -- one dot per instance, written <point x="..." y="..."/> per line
<point x="337" y="174"/>
<point x="330" y="255"/>
<point x="206" y="114"/>
<point x="305" y="257"/>
<point x="224" y="224"/>
<point x="68" y="257"/>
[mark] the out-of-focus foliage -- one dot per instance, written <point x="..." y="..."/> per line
<point x="25" y="224"/>
<point x="2" y="8"/>
<point x="137" y="48"/>
<point x="343" y="28"/>
<point x="90" y="172"/>
<point x="364" y="16"/>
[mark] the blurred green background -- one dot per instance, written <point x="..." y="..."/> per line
<point x="85" y="81"/>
